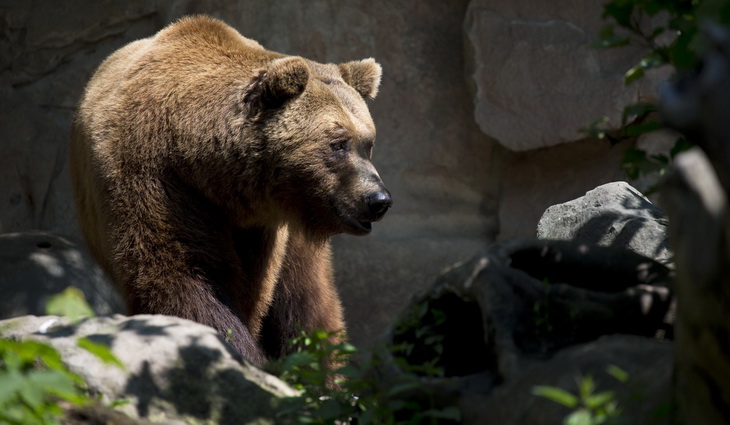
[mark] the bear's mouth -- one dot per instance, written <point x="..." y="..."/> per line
<point x="356" y="227"/>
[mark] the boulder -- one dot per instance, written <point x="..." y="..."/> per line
<point x="174" y="369"/>
<point x="35" y="265"/>
<point x="642" y="398"/>
<point x="614" y="214"/>
<point x="533" y="312"/>
<point x="536" y="79"/>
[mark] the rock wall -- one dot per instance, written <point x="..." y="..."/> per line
<point x="456" y="188"/>
<point x="537" y="80"/>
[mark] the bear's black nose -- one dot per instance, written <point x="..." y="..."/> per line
<point x="379" y="202"/>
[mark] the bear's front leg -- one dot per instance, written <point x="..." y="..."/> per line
<point x="195" y="299"/>
<point x="304" y="297"/>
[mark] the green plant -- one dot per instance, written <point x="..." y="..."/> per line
<point x="669" y="32"/>
<point x="541" y="309"/>
<point x="70" y="303"/>
<point x="419" y="335"/>
<point x="34" y="380"/>
<point x="348" y="393"/>
<point x="589" y="407"/>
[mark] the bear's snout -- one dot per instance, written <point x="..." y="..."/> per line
<point x="378" y="203"/>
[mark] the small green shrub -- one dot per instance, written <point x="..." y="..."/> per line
<point x="34" y="380"/>
<point x="70" y="303"/>
<point x="354" y="396"/>
<point x="589" y="407"/>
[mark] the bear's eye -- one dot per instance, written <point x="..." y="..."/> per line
<point x="339" y="145"/>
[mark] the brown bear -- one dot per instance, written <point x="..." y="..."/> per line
<point x="209" y="174"/>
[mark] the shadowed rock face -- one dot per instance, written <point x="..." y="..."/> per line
<point x="531" y="312"/>
<point x="36" y="265"/>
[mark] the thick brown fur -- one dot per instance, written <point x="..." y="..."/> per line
<point x="209" y="174"/>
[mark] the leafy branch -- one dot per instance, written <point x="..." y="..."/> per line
<point x="669" y="32"/>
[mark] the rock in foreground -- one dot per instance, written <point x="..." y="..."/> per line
<point x="175" y="369"/>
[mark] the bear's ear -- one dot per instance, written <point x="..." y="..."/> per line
<point x="282" y="79"/>
<point x="363" y="76"/>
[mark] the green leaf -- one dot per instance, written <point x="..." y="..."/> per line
<point x="660" y="159"/>
<point x="10" y="384"/>
<point x="119" y="402"/>
<point x="330" y="409"/>
<point x="682" y="52"/>
<point x="618" y="373"/>
<point x="452" y="413"/>
<point x="637" y="111"/>
<point x="396" y="405"/>
<point x="70" y="303"/>
<point x="101" y="351"/>
<point x="347" y="348"/>
<point x="610" y="42"/>
<point x="579" y="417"/>
<point x="433" y="339"/>
<point x="298" y="359"/>
<point x="655" y="59"/>
<point x="586" y="387"/>
<point x="594" y="128"/>
<point x="31" y="395"/>
<point x="680" y="146"/>
<point x="397" y="389"/>
<point x="57" y="383"/>
<point x="634" y="155"/>
<point x="289" y="405"/>
<point x="349" y="371"/>
<point x="638" y="129"/>
<point x="320" y="335"/>
<point x="633" y="74"/>
<point x="596" y="401"/>
<point x="557" y="395"/>
<point x="366" y="417"/>
<point x="653" y="7"/>
<point x="620" y="11"/>
<point x="656" y="33"/>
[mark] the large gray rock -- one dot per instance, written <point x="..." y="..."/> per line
<point x="536" y="80"/>
<point x="535" y="180"/>
<point x="175" y="369"/>
<point x="614" y="214"/>
<point x="642" y="398"/>
<point x="532" y="312"/>
<point x="37" y="265"/>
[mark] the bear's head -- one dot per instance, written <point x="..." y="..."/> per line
<point x="319" y="136"/>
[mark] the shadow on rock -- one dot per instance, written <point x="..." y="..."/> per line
<point x="517" y="307"/>
<point x="174" y="369"/>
